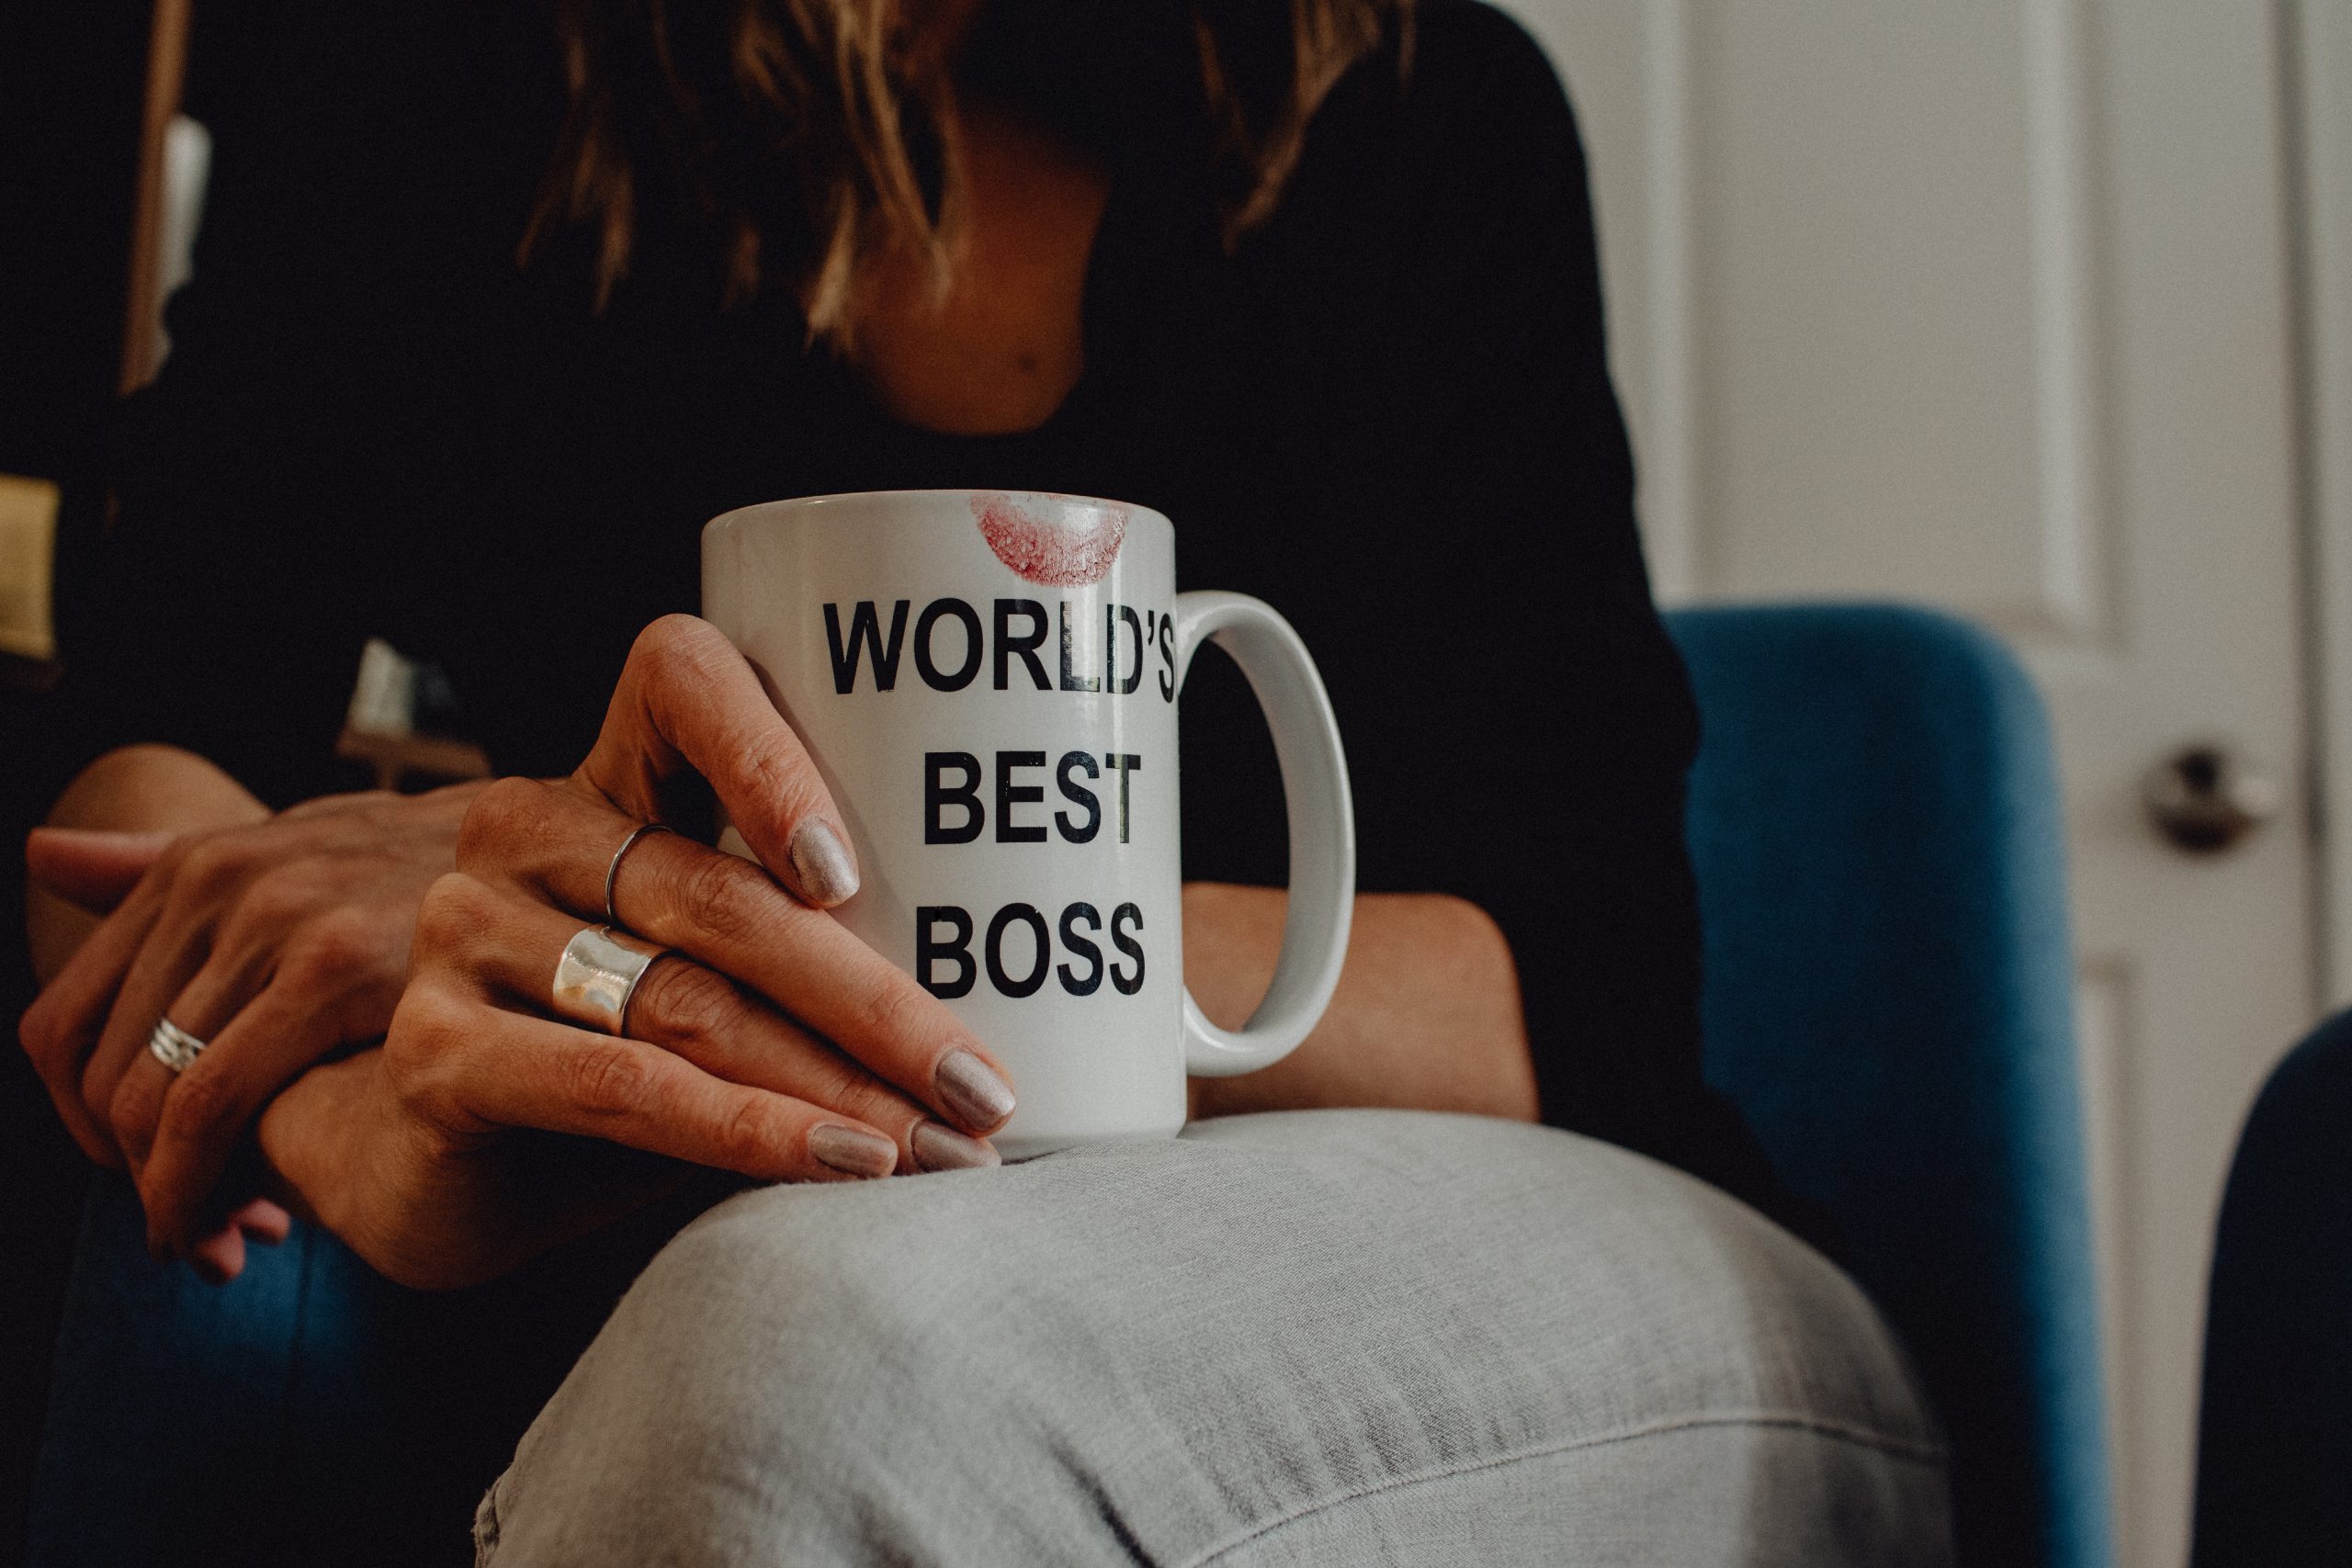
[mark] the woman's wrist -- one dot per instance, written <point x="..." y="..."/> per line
<point x="143" y="788"/>
<point x="150" y="787"/>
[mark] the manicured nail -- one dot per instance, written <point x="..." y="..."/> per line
<point x="823" y="872"/>
<point x="971" y="1090"/>
<point x="943" y="1148"/>
<point x="854" y="1151"/>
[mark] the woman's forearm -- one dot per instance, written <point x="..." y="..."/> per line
<point x="137" y="788"/>
<point x="1426" y="1017"/>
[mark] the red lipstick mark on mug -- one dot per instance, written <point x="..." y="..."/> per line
<point x="1046" y="548"/>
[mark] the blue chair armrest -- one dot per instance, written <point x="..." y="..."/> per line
<point x="1875" y="824"/>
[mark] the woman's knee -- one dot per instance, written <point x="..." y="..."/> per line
<point x="800" y="1373"/>
<point x="1166" y="1346"/>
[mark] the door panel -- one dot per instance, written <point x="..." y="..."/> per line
<point x="1988" y="307"/>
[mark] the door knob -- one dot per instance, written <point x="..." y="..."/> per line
<point x="2204" y="799"/>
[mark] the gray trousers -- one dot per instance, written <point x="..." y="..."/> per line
<point x="1345" y="1337"/>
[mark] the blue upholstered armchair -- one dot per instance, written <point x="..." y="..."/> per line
<point x="1875" y="824"/>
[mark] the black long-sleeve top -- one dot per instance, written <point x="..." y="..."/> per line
<point x="1387" y="412"/>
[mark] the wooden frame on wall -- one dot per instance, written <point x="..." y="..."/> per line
<point x="62" y="85"/>
<point x="166" y="73"/>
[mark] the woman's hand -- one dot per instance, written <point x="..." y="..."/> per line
<point x="770" y="1042"/>
<point x="275" y="941"/>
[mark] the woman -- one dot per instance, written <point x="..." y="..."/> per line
<point x="1319" y="283"/>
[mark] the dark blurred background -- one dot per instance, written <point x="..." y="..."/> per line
<point x="85" y="118"/>
<point x="73" y="79"/>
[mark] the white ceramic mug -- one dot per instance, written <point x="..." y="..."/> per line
<point x="987" y="683"/>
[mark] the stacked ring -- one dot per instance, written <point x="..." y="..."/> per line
<point x="613" y="869"/>
<point x="597" y="975"/>
<point x="174" y="1046"/>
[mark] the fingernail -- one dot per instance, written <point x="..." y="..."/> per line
<point x="943" y="1148"/>
<point x="971" y="1090"/>
<point x="854" y="1151"/>
<point x="823" y="872"/>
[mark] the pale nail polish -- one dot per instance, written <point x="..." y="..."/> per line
<point x="943" y="1148"/>
<point x="823" y="872"/>
<point x="854" y="1151"/>
<point x="971" y="1090"/>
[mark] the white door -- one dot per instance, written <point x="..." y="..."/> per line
<point x="1988" y="306"/>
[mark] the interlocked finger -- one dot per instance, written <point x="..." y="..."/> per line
<point x="729" y="915"/>
<point x="521" y="1071"/>
<point x="688" y="701"/>
<point x="61" y="1029"/>
<point x="202" y="1008"/>
<point x="190" y="1123"/>
<point x="711" y="1022"/>
<point x="163" y="969"/>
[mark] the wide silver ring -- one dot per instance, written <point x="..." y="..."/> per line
<point x="597" y="975"/>
<point x="174" y="1046"/>
<point x="613" y="870"/>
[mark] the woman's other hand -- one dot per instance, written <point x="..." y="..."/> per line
<point x="769" y="1041"/>
<point x="275" y="941"/>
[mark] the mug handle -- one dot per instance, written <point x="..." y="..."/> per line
<point x="1322" y="830"/>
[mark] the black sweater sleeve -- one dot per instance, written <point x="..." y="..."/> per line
<point x="1522" y="665"/>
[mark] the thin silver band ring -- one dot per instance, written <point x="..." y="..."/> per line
<point x="612" y="871"/>
<point x="174" y="1046"/>
<point x="597" y="975"/>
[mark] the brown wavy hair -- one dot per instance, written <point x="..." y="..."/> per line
<point x="804" y="135"/>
